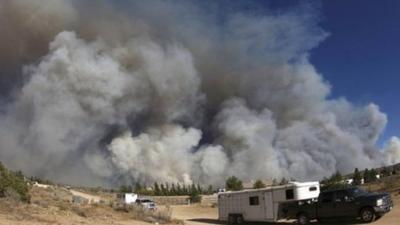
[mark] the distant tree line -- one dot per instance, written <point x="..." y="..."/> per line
<point x="167" y="189"/>
<point x="235" y="184"/>
<point x="171" y="189"/>
<point x="336" y="180"/>
<point x="358" y="177"/>
<point x="390" y="170"/>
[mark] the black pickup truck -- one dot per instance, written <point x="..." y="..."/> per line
<point x="340" y="203"/>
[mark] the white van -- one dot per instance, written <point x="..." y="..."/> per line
<point x="265" y="204"/>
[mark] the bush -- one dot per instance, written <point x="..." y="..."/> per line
<point x="195" y="197"/>
<point x="259" y="184"/>
<point x="13" y="182"/>
<point x="79" y="211"/>
<point x="233" y="184"/>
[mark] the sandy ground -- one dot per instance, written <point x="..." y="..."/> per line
<point x="199" y="215"/>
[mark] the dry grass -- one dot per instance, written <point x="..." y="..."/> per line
<point x="386" y="184"/>
<point x="79" y="211"/>
<point x="391" y="183"/>
<point x="161" y="216"/>
<point x="54" y="206"/>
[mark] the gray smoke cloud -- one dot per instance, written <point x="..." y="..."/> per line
<point x="174" y="91"/>
<point x="391" y="150"/>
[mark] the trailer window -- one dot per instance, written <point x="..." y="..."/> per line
<point x="254" y="200"/>
<point x="289" y="194"/>
<point x="312" y="188"/>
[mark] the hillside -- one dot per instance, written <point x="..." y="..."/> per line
<point x="23" y="201"/>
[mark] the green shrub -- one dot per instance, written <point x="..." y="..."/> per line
<point x="259" y="184"/>
<point x="13" y="182"/>
<point x="195" y="197"/>
<point x="233" y="184"/>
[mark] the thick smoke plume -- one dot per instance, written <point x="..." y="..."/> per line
<point x="173" y="91"/>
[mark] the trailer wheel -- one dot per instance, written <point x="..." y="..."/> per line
<point x="231" y="219"/>
<point x="303" y="219"/>
<point x="239" y="219"/>
<point x="367" y="215"/>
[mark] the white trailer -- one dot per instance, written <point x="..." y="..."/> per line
<point x="265" y="204"/>
<point x="127" y="198"/>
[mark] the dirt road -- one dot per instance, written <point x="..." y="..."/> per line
<point x="199" y="215"/>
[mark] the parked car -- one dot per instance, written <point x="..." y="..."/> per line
<point x="146" y="203"/>
<point x="341" y="203"/>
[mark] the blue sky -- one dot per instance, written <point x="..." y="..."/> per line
<point x="360" y="58"/>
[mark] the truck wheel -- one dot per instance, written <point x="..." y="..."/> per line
<point x="231" y="219"/>
<point x="239" y="219"/>
<point x="367" y="215"/>
<point x="303" y="219"/>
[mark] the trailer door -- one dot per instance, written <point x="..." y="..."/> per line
<point x="269" y="205"/>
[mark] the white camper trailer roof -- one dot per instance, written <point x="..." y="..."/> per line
<point x="305" y="184"/>
<point x="277" y="187"/>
